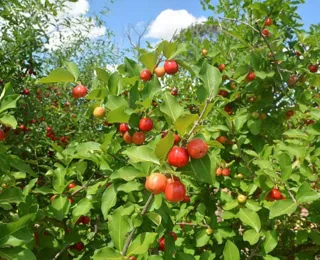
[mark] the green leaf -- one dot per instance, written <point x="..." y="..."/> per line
<point x="270" y="241"/>
<point x="115" y="102"/>
<point x="83" y="207"/>
<point x="9" y="120"/>
<point x="254" y="126"/>
<point x="127" y="173"/>
<point x="108" y="200"/>
<point x="285" y="165"/>
<point x="154" y="217"/>
<point x="251" y="236"/>
<point x="149" y="60"/>
<point x="11" y="195"/>
<point x="211" y="77"/>
<point x="295" y="133"/>
<point x="200" y="169"/>
<point x="141" y="243"/>
<point x="184" y="121"/>
<point x="164" y="145"/>
<point x="57" y="75"/>
<point x="58" y="181"/>
<point x="102" y="75"/>
<point x="151" y="88"/>
<point x="282" y="207"/>
<point x="306" y="193"/>
<point x="141" y="153"/>
<point x="16" y="233"/>
<point x="131" y="68"/>
<point x="171" y="107"/>
<point x="98" y="93"/>
<point x="17" y="253"/>
<point x="73" y="69"/>
<point x="9" y="102"/>
<point x="169" y="48"/>
<point x="181" y="48"/>
<point x="250" y="218"/>
<point x="118" y="228"/>
<point x="202" y="238"/>
<point x="270" y="257"/>
<point x="231" y="251"/>
<point x="107" y="253"/>
<point x="119" y="115"/>
<point x="17" y="163"/>
<point x="130" y="187"/>
<point x="60" y="207"/>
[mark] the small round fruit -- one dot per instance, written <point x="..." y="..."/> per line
<point x="53" y="197"/>
<point x="222" y="139"/>
<point x="175" y="191"/>
<point x="251" y="76"/>
<point x="85" y="220"/>
<point x="289" y="113"/>
<point x="145" y="75"/>
<point x="174" y="92"/>
<point x="173" y="178"/>
<point x="123" y="127"/>
<point x="221" y="67"/>
<point x="265" y="32"/>
<point x="240" y="176"/>
<point x="176" y="138"/>
<point x="263" y="116"/>
<point x="313" y="68"/>
<point x="197" y="148"/>
<point x="275" y="194"/>
<point x="186" y="199"/>
<point x="292" y="80"/>
<point x="156" y="183"/>
<point x="98" y="112"/>
<point x="127" y="138"/>
<point x="138" y="138"/>
<point x="204" y="52"/>
<point x="255" y="115"/>
<point x="241" y="199"/>
<point x="146" y="124"/>
<point x="171" y="67"/>
<point x="219" y="171"/>
<point x="178" y="157"/>
<point x="223" y="93"/>
<point x="71" y="185"/>
<point x="268" y="22"/>
<point x="132" y="258"/>
<point x="161" y="242"/>
<point x="79" y="246"/>
<point x="209" y="231"/>
<point x="2" y="135"/>
<point x="226" y="172"/>
<point x="79" y="91"/>
<point x="159" y="71"/>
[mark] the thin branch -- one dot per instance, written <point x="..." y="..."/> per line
<point x="84" y="186"/>
<point x="61" y="251"/>
<point x="192" y="224"/>
<point x="239" y="21"/>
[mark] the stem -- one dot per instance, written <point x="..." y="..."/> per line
<point x="61" y="251"/>
<point x="192" y="224"/>
<point x="238" y="21"/>
<point x="131" y="235"/>
<point x="84" y="186"/>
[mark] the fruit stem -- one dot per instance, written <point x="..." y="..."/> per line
<point x="131" y="235"/>
<point x="61" y="251"/>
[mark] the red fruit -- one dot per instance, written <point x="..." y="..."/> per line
<point x="292" y="80"/>
<point x="197" y="148"/>
<point x="36" y="238"/>
<point x="178" y="157"/>
<point x="176" y="138"/>
<point x="146" y="124"/>
<point x="313" y="68"/>
<point x="251" y="76"/>
<point x="174" y="92"/>
<point x="26" y="91"/>
<point x="161" y="241"/>
<point x="223" y="93"/>
<point x="159" y="71"/>
<point x="85" y="220"/>
<point x="79" y="91"/>
<point x="78" y="246"/>
<point x="219" y="171"/>
<point x="70" y="200"/>
<point x="265" y="32"/>
<point x="67" y="104"/>
<point x="123" y="128"/>
<point x="71" y="185"/>
<point x="156" y="183"/>
<point x="228" y="109"/>
<point x="221" y="67"/>
<point x="173" y="179"/>
<point x="186" y="199"/>
<point x="222" y="139"/>
<point x="49" y="129"/>
<point x="275" y="194"/>
<point x="145" y="75"/>
<point x="79" y="221"/>
<point x="138" y="138"/>
<point x="127" y="138"/>
<point x="171" y="67"/>
<point x="298" y="53"/>
<point x="289" y="113"/>
<point x="226" y="172"/>
<point x="252" y="99"/>
<point x="2" y="135"/>
<point x="98" y="112"/>
<point x="175" y="191"/>
<point x="132" y="258"/>
<point x="268" y="22"/>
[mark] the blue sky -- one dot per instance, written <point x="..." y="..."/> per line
<point x="124" y="12"/>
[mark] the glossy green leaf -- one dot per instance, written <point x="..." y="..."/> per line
<point x="107" y="253"/>
<point x="171" y="107"/>
<point x="141" y="243"/>
<point x="57" y="75"/>
<point x="83" y="207"/>
<point x="73" y="69"/>
<point x="11" y="195"/>
<point x="271" y="241"/>
<point x="127" y="173"/>
<point x="108" y="200"/>
<point x="306" y="193"/>
<point x="8" y="102"/>
<point x="141" y="153"/>
<point x="251" y="218"/>
<point x="60" y="207"/>
<point x="185" y="121"/>
<point x="251" y="236"/>
<point x="231" y="251"/>
<point x="211" y="77"/>
<point x="164" y="145"/>
<point x="149" y="60"/>
<point x="282" y="207"/>
<point x="9" y="120"/>
<point x="17" y="253"/>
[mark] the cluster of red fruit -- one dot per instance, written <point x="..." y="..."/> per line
<point x="275" y="194"/>
<point x="85" y="220"/>
<point x="170" y="67"/>
<point x="138" y="138"/>
<point x="50" y="134"/>
<point x="173" y="188"/>
<point x="223" y="171"/>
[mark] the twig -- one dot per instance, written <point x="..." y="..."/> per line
<point x="238" y="21"/>
<point x="61" y="251"/>
<point x="253" y="252"/>
<point x="192" y="224"/>
<point x="130" y="237"/>
<point x="84" y="186"/>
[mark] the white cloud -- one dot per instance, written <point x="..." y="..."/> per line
<point x="168" y="21"/>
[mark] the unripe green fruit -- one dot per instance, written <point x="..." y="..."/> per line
<point x="255" y="115"/>
<point x="209" y="231"/>
<point x="241" y="199"/>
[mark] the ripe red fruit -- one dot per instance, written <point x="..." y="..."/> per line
<point x="313" y="68"/>
<point x="178" y="157"/>
<point x="71" y="185"/>
<point x="156" y="183"/>
<point x="251" y="76"/>
<point x="98" y="112"/>
<point x="78" y="246"/>
<point x="123" y="127"/>
<point x="186" y="199"/>
<point x="175" y="191"/>
<point x="132" y="258"/>
<point x="176" y="138"/>
<point x="174" y="92"/>
<point x="79" y="91"/>
<point x="138" y="138"/>
<point x="221" y="67"/>
<point x="2" y="135"/>
<point x="145" y="75"/>
<point x="228" y="109"/>
<point x="159" y="71"/>
<point x="173" y="179"/>
<point x="49" y="129"/>
<point x="223" y="93"/>
<point x="219" y="171"/>
<point x="85" y="220"/>
<point x="197" y="148"/>
<point x="127" y="138"/>
<point x="292" y="80"/>
<point x="275" y="194"/>
<point x="289" y="113"/>
<point x="226" y="172"/>
<point x="146" y="124"/>
<point x="171" y="67"/>
<point x="222" y="139"/>
<point x="268" y="22"/>
<point x="265" y="32"/>
<point x="298" y="53"/>
<point x="161" y="241"/>
<point x="26" y="91"/>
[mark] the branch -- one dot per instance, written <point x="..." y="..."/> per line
<point x="84" y="186"/>
<point x="192" y="224"/>
<point x="131" y="235"/>
<point x="61" y="251"/>
<point x="238" y="21"/>
<point x="254" y="251"/>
